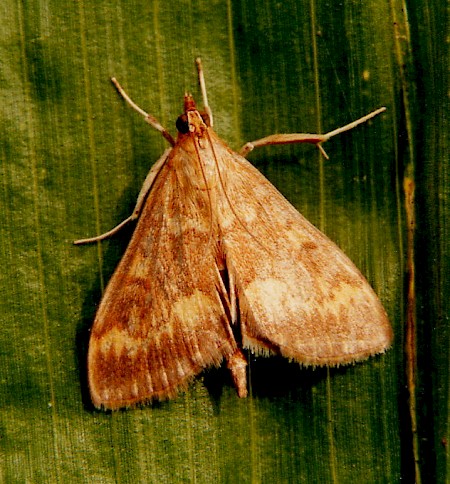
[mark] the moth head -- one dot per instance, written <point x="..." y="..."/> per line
<point x="192" y="120"/>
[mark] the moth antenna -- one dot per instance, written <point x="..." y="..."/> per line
<point x="201" y="80"/>
<point x="152" y="121"/>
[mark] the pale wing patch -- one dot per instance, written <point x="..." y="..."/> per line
<point x="228" y="219"/>
<point x="117" y="341"/>
<point x="273" y="294"/>
<point x="186" y="309"/>
<point x="272" y="291"/>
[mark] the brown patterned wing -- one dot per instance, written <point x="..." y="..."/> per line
<point x="163" y="315"/>
<point x="297" y="293"/>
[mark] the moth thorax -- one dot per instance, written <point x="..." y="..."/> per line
<point x="192" y="121"/>
<point x="196" y="123"/>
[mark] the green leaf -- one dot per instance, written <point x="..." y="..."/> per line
<point x="73" y="157"/>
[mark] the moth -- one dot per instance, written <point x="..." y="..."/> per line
<point x="220" y="262"/>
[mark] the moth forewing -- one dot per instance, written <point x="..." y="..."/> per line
<point x="162" y="319"/>
<point x="220" y="261"/>
<point x="299" y="295"/>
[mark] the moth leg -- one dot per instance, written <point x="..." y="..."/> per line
<point x="146" y="187"/>
<point x="282" y="139"/>
<point x="237" y="364"/>
<point x="152" y="121"/>
<point x="317" y="139"/>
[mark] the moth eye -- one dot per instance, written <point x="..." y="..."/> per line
<point x="205" y="117"/>
<point x="182" y="124"/>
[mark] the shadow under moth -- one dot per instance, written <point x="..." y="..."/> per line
<point x="219" y="262"/>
